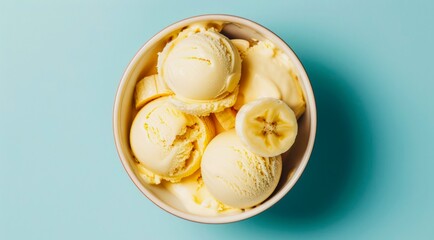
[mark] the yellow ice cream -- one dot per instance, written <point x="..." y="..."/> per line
<point x="195" y="197"/>
<point x="268" y="72"/>
<point x="167" y="142"/>
<point x="236" y="176"/>
<point x="203" y="69"/>
<point x="201" y="72"/>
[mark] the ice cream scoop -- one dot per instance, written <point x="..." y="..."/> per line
<point x="167" y="142"/>
<point x="268" y="72"/>
<point x="235" y="176"/>
<point x="195" y="197"/>
<point x="144" y="64"/>
<point x="201" y="67"/>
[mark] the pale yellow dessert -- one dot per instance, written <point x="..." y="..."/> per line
<point x="268" y="72"/>
<point x="195" y="197"/>
<point x="203" y="69"/>
<point x="235" y="176"/>
<point x="208" y="84"/>
<point x="167" y="142"/>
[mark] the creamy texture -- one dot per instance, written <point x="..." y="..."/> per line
<point x="236" y="176"/>
<point x="206" y="60"/>
<point x="203" y="69"/>
<point x="204" y="108"/>
<point x="206" y="73"/>
<point x="195" y="197"/>
<point x="268" y="72"/>
<point x="168" y="142"/>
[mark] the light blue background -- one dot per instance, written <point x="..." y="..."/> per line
<point x="371" y="172"/>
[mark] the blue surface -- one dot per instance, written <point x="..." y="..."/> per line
<point x="371" y="173"/>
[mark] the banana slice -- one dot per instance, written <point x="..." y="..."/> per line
<point x="226" y="118"/>
<point x="217" y="126"/>
<point x="150" y="88"/>
<point x="266" y="126"/>
<point x="242" y="46"/>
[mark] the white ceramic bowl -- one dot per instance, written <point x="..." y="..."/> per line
<point x="142" y="63"/>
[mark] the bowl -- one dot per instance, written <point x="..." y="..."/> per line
<point x="143" y="63"/>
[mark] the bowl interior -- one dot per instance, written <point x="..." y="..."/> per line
<point x="144" y="63"/>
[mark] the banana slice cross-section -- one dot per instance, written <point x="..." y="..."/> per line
<point x="266" y="126"/>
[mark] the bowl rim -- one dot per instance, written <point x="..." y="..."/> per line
<point x="309" y="94"/>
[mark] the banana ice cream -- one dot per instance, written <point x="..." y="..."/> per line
<point x="244" y="90"/>
<point x="203" y="69"/>
<point x="167" y="142"/>
<point x="268" y="72"/>
<point x="195" y="197"/>
<point x="235" y="175"/>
